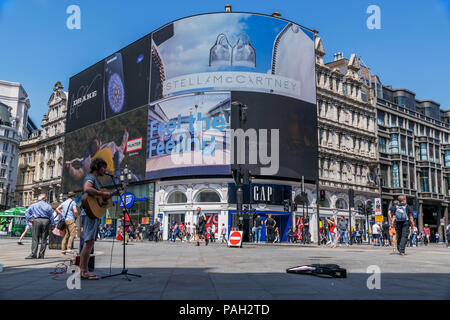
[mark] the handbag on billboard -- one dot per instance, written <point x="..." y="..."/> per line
<point x="244" y="54"/>
<point x="220" y="53"/>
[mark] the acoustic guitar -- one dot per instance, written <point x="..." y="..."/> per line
<point x="95" y="206"/>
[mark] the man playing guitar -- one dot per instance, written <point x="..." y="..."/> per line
<point x="92" y="187"/>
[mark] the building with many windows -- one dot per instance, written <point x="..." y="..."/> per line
<point x="347" y="135"/>
<point x="414" y="153"/>
<point x="40" y="157"/>
<point x="9" y="142"/>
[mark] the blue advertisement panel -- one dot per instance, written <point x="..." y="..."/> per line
<point x="189" y="135"/>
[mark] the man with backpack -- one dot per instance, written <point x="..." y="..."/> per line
<point x="402" y="219"/>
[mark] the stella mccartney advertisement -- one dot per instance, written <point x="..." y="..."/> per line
<point x="234" y="51"/>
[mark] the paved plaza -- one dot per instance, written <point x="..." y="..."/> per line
<point x="215" y="272"/>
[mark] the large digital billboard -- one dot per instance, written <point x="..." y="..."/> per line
<point x="115" y="85"/>
<point x="189" y="135"/>
<point x="189" y="76"/>
<point x="233" y="51"/>
<point x="120" y="141"/>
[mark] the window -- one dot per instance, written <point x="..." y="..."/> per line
<point x="5" y="146"/>
<point x="439" y="181"/>
<point x="2" y="173"/>
<point x="411" y="177"/>
<point x="437" y="154"/>
<point x="400" y="122"/>
<point x="6" y="132"/>
<point x="393" y="144"/>
<point x="208" y="196"/>
<point x="431" y="152"/>
<point x="433" y="180"/>
<point x="382" y="144"/>
<point x="411" y="126"/>
<point x="395" y="175"/>
<point x="424" y="186"/>
<point x="405" y="175"/>
<point x="423" y="151"/>
<point x="4" y="159"/>
<point x="410" y="147"/>
<point x="393" y="120"/>
<point x="403" y="144"/>
<point x="341" y="204"/>
<point x="447" y="158"/>
<point x="177" y="197"/>
<point x="384" y="175"/>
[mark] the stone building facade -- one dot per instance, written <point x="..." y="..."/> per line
<point x="41" y="155"/>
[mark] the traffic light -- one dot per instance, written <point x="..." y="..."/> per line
<point x="361" y="209"/>
<point x="294" y="207"/>
<point x="351" y="197"/>
<point x="245" y="210"/>
<point x="369" y="209"/>
<point x="286" y="205"/>
<point x="322" y="195"/>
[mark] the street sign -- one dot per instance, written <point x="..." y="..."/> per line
<point x="379" y="218"/>
<point x="378" y="208"/>
<point x="235" y="239"/>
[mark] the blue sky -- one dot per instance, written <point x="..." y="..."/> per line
<point x="410" y="51"/>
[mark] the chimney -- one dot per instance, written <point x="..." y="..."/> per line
<point x="338" y="56"/>
<point x="228" y="8"/>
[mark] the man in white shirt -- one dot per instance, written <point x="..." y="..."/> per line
<point x="376" y="233"/>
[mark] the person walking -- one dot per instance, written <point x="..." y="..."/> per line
<point x="259" y="226"/>
<point x="376" y="234"/>
<point x="386" y="236"/>
<point x="343" y="229"/>
<point x="156" y="230"/>
<point x="426" y="232"/>
<point x="68" y="210"/>
<point x="400" y="220"/>
<point x="213" y="233"/>
<point x="305" y="229"/>
<point x="201" y="226"/>
<point x="270" y="224"/>
<point x="224" y="233"/>
<point x="40" y="214"/>
<point x="277" y="235"/>
<point x="332" y="226"/>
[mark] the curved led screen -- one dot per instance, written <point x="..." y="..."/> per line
<point x="233" y="51"/>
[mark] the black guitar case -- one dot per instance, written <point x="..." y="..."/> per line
<point x="321" y="270"/>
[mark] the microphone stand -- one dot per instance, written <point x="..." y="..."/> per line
<point x="125" y="212"/>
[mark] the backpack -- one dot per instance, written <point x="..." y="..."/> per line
<point x="400" y="213"/>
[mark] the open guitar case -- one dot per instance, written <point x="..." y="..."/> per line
<point x="320" y="270"/>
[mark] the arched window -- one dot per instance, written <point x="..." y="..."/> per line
<point x="208" y="196"/>
<point x="177" y="197"/>
<point x="341" y="204"/>
<point x="324" y="204"/>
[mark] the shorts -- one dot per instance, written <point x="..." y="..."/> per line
<point x="385" y="235"/>
<point x="90" y="228"/>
